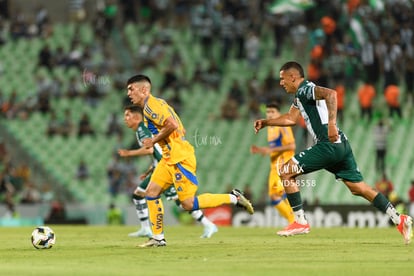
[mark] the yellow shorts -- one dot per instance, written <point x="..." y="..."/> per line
<point x="182" y="175"/>
<point x="275" y="183"/>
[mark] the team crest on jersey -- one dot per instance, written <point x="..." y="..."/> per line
<point x="178" y="176"/>
<point x="154" y="116"/>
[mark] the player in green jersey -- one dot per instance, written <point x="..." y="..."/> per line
<point x="331" y="151"/>
<point x="133" y="120"/>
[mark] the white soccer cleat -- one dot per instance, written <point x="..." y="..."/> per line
<point x="153" y="243"/>
<point x="209" y="231"/>
<point x="143" y="232"/>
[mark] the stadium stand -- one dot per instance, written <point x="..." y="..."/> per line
<point x="222" y="147"/>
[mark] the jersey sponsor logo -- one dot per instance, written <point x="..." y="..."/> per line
<point x="158" y="224"/>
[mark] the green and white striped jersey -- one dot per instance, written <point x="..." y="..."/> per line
<point x="314" y="112"/>
<point x="143" y="133"/>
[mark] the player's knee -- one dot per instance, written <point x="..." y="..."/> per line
<point x="139" y="194"/>
<point x="289" y="171"/>
<point x="286" y="178"/>
<point x="277" y="195"/>
<point x="151" y="193"/>
<point x="187" y="205"/>
<point x="153" y="190"/>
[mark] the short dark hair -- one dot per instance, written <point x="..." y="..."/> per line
<point x="273" y="105"/>
<point x="138" y="78"/>
<point x="133" y="108"/>
<point x="293" y="65"/>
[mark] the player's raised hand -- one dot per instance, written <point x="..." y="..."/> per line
<point x="333" y="133"/>
<point x="123" y="152"/>
<point x="259" y="150"/>
<point x="258" y="125"/>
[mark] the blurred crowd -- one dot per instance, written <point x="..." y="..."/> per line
<point x="17" y="185"/>
<point x="336" y="41"/>
<point x="364" y="49"/>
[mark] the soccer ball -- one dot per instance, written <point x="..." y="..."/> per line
<point x="43" y="237"/>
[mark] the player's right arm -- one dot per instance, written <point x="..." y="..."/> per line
<point x="168" y="127"/>
<point x="329" y="95"/>
<point x="136" y="152"/>
<point x="288" y="119"/>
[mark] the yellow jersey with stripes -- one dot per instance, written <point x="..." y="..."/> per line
<point x="175" y="147"/>
<point x="280" y="136"/>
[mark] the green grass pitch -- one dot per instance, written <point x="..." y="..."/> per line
<point x="107" y="250"/>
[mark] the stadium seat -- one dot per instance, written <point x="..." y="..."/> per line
<point x="220" y="165"/>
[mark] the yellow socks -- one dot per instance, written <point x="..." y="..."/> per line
<point x="285" y="210"/>
<point x="156" y="216"/>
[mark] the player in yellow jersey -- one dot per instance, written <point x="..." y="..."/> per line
<point x="178" y="162"/>
<point x="280" y="149"/>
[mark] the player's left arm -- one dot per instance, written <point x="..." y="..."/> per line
<point x="136" y="152"/>
<point x="168" y="127"/>
<point x="147" y="172"/>
<point x="288" y="119"/>
<point x="259" y="150"/>
<point x="291" y="146"/>
<point x="329" y="95"/>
